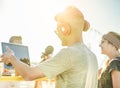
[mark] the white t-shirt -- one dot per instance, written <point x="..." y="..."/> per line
<point x="73" y="67"/>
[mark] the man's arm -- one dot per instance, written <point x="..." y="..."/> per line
<point x="27" y="72"/>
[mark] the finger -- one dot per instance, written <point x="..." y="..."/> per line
<point x="1" y="55"/>
<point x="9" y="51"/>
<point x="5" y="58"/>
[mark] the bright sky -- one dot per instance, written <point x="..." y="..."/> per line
<point x="34" y="21"/>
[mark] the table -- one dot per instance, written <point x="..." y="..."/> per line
<point x="11" y="78"/>
<point x="19" y="78"/>
<point x="38" y="82"/>
<point x="15" y="82"/>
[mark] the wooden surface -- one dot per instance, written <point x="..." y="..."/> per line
<point x="19" y="78"/>
<point x="11" y="78"/>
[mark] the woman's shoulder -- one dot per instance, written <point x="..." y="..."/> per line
<point x="117" y="59"/>
<point x="115" y="64"/>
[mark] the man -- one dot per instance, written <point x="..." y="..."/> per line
<point x="15" y="39"/>
<point x="9" y="70"/>
<point x="73" y="67"/>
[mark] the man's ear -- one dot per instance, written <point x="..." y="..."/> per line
<point x="65" y="29"/>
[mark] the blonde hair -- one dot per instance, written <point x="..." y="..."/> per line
<point x="14" y="38"/>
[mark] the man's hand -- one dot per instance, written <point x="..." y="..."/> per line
<point x="6" y="57"/>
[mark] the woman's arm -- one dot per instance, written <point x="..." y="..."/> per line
<point x="115" y="78"/>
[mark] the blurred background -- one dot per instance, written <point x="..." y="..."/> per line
<point x="34" y="21"/>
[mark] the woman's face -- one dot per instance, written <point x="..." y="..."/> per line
<point x="105" y="46"/>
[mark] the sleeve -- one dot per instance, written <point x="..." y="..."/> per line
<point x="114" y="65"/>
<point x="56" y="65"/>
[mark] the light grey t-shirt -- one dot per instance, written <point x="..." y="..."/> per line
<point x="70" y="67"/>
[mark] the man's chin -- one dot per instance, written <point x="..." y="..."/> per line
<point x="64" y="44"/>
<point x="102" y="53"/>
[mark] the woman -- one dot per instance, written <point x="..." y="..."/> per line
<point x="109" y="77"/>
